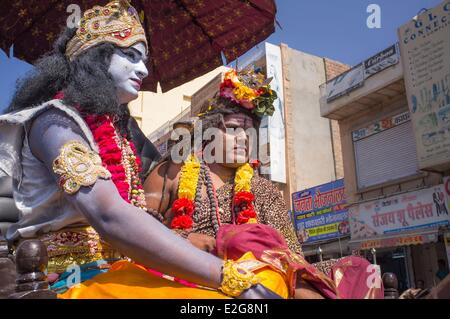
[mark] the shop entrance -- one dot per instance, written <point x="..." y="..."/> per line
<point x="392" y="260"/>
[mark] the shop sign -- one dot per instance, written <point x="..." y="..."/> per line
<point x="320" y="212"/>
<point x="354" y="78"/>
<point x="380" y="126"/>
<point x="345" y="83"/>
<point x="425" y="54"/>
<point x="383" y="60"/>
<point x="447" y="190"/>
<point x="414" y="210"/>
<point x="398" y="241"/>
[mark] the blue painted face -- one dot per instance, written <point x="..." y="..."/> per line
<point x="128" y="69"/>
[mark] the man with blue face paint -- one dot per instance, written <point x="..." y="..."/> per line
<point x="128" y="69"/>
<point x="71" y="148"/>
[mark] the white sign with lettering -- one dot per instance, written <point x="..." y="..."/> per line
<point x="425" y="54"/>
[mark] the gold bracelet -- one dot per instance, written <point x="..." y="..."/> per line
<point x="236" y="279"/>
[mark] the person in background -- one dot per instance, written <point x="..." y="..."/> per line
<point x="442" y="270"/>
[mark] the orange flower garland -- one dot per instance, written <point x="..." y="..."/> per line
<point x="243" y="197"/>
<point x="258" y="99"/>
<point x="183" y="208"/>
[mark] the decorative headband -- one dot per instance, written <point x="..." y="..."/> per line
<point x="117" y="23"/>
<point x="249" y="90"/>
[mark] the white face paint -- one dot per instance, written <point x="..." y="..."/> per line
<point x="128" y="69"/>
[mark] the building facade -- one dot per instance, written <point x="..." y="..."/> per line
<point x="398" y="213"/>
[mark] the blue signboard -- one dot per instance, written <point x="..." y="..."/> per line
<point x="320" y="212"/>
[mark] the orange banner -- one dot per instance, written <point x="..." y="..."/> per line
<point x="392" y="242"/>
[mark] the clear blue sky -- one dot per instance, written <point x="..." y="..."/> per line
<point x="330" y="28"/>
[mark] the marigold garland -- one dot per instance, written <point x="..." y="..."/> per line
<point x="243" y="177"/>
<point x="243" y="197"/>
<point x="189" y="178"/>
<point x="183" y="207"/>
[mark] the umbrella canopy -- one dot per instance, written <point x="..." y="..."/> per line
<point x="186" y="37"/>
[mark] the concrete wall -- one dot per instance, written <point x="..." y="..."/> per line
<point x="310" y="141"/>
<point x="332" y="70"/>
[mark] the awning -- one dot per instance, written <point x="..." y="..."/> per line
<point x="417" y="237"/>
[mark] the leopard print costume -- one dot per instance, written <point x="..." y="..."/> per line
<point x="269" y="205"/>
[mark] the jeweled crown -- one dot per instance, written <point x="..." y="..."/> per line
<point x="117" y="22"/>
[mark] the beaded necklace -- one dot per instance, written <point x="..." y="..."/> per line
<point x="242" y="208"/>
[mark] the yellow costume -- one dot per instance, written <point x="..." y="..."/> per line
<point x="127" y="280"/>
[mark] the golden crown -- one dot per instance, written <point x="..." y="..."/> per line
<point x="117" y="23"/>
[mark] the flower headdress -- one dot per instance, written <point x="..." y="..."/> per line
<point x="247" y="89"/>
<point x="117" y="23"/>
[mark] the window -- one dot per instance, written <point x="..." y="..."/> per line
<point x="386" y="155"/>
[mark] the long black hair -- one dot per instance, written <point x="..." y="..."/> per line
<point x="85" y="81"/>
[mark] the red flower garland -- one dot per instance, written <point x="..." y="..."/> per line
<point x="104" y="133"/>
<point x="183" y="206"/>
<point x="110" y="153"/>
<point x="243" y="201"/>
<point x="183" y="209"/>
<point x="255" y="163"/>
<point x="181" y="222"/>
<point x="245" y="215"/>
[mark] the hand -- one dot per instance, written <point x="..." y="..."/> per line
<point x="258" y="291"/>
<point x="410" y="293"/>
<point x="203" y="242"/>
<point x="304" y="290"/>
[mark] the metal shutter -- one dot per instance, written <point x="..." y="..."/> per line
<point x="386" y="156"/>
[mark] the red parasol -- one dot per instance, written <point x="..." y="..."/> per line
<point x="186" y="37"/>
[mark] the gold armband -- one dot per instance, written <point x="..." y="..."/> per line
<point x="78" y="166"/>
<point x="236" y="279"/>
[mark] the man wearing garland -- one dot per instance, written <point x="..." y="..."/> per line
<point x="68" y="145"/>
<point x="225" y="208"/>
